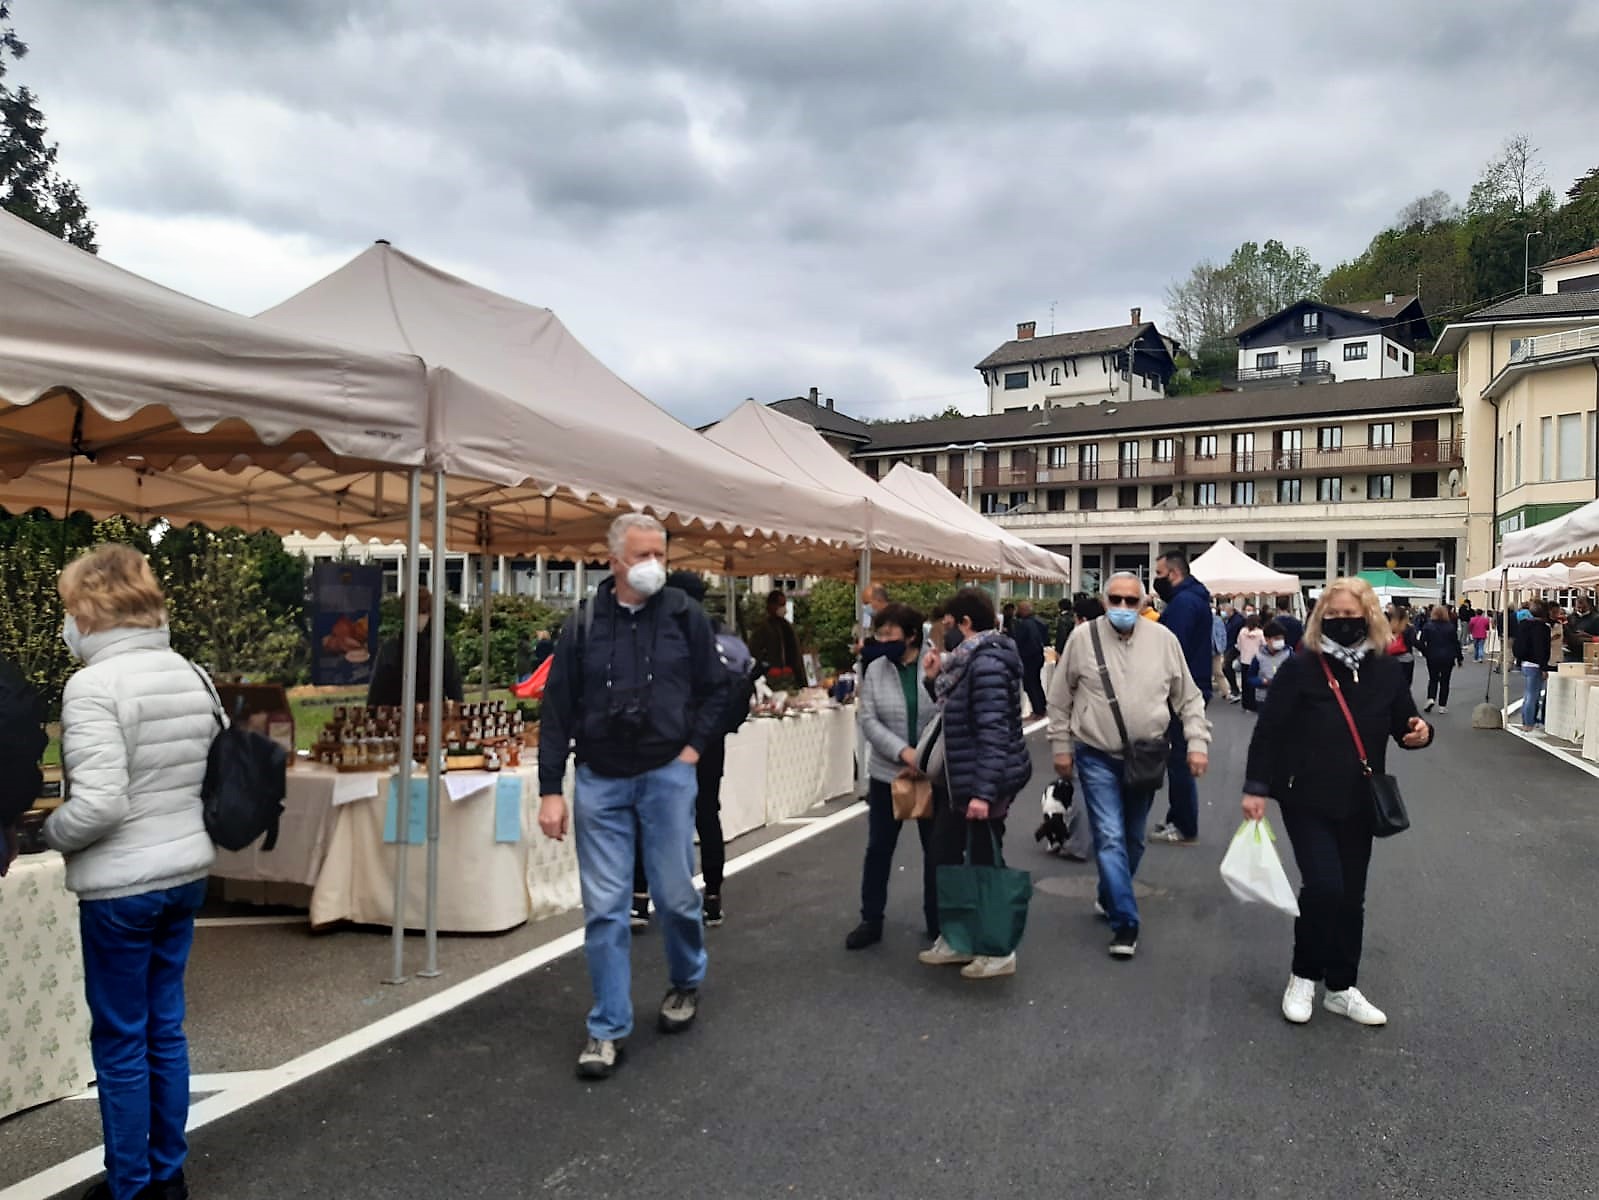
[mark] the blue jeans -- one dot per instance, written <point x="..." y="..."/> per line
<point x="1532" y="695"/>
<point x="1117" y="818"/>
<point x="135" y="949"/>
<point x="604" y="812"/>
<point x="1477" y="643"/>
<point x="1182" y="810"/>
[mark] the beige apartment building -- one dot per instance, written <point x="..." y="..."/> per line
<point x="1318" y="478"/>
<point x="1528" y="379"/>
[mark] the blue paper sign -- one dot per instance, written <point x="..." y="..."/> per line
<point x="416" y="818"/>
<point x="344" y="623"/>
<point x="508" y="808"/>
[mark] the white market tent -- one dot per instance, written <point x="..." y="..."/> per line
<point x="1555" y="576"/>
<point x="1226" y="570"/>
<point x="1022" y="558"/>
<point x="795" y="450"/>
<point x="1565" y="538"/>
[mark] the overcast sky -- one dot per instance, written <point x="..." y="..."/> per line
<point x="752" y="197"/>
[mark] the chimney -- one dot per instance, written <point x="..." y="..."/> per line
<point x="1388" y="298"/>
<point x="1024" y="330"/>
<point x="830" y="404"/>
<point x="815" y="396"/>
<point x="1138" y="317"/>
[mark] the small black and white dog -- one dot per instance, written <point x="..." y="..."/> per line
<point x="1061" y="813"/>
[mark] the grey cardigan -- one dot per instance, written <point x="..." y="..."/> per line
<point x="884" y="720"/>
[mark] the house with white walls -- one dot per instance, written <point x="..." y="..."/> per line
<point x="1087" y="366"/>
<point x="1315" y="342"/>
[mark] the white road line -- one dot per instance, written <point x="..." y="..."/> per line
<point x="238" y="922"/>
<point x="261" y="1084"/>
<point x="199" y="1085"/>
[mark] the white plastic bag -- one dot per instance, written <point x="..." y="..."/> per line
<point x="1254" y="872"/>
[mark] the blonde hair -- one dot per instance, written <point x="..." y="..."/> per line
<point x="1361" y="591"/>
<point x="112" y="587"/>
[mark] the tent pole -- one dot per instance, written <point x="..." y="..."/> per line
<point x="865" y="583"/>
<point x="732" y="596"/>
<point x="435" y="726"/>
<point x="403" y="766"/>
<point x="486" y="599"/>
<point x="1504" y="646"/>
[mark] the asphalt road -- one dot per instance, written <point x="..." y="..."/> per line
<point x="815" y="1072"/>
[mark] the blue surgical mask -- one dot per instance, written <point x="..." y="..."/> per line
<point x="1122" y="620"/>
<point x="73" y="637"/>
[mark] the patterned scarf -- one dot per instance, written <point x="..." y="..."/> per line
<point x="956" y="661"/>
<point x="1350" y="656"/>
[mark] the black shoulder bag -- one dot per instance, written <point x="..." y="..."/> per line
<point x="1388" y="806"/>
<point x="1144" y="761"/>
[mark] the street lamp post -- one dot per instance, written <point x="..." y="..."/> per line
<point x="1526" y="260"/>
<point x="967" y="450"/>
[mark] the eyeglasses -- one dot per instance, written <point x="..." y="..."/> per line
<point x="1124" y="601"/>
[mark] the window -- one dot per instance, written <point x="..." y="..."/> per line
<point x="1290" y="447"/>
<point x="1020" y="500"/>
<point x="1311" y="322"/>
<point x="1243" y="452"/>
<point x="989" y="503"/>
<point x="1127" y="459"/>
<point x="1288" y="491"/>
<point x="1127" y="497"/>
<point x="1546" y="448"/>
<point x="1330" y="490"/>
<point x="1570" y="453"/>
<point x="1088" y="461"/>
<point x="1264" y="362"/>
<point x="1015" y="380"/>
<point x="1404" y="362"/>
<point x="1162" y="491"/>
<point x="1588" y="442"/>
<point x="930" y="464"/>
<point x="1393" y="353"/>
<point x="1165" y="450"/>
<point x="1204" y="494"/>
<point x="1056" y="498"/>
<point x="1088" y="499"/>
<point x="1424" y="485"/>
<point x="1354" y="351"/>
<point x="1330" y="438"/>
<point x="1379" y="487"/>
<point x="1054" y="375"/>
<point x="1059" y="457"/>
<point x="1205" y="446"/>
<point x="1243" y="491"/>
<point x="1515" y="456"/>
<point x="1380" y="435"/>
<point x="872" y="467"/>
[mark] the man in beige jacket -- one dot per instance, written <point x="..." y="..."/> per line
<point x="1151" y="682"/>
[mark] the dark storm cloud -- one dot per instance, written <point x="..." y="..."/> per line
<point x="750" y="198"/>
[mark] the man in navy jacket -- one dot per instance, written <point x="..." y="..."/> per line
<point x="1188" y="615"/>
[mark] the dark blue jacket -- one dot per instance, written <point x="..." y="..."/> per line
<point x="662" y="657"/>
<point x="1187" y="614"/>
<point x="983" y="744"/>
<point x="1235" y="626"/>
<point x="1031" y="635"/>
<point x="1440" y="643"/>
<point x="1293" y="631"/>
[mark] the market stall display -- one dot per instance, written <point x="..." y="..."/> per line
<point x="480" y="735"/>
<point x="44" y="1020"/>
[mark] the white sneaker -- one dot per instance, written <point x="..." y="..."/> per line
<point x="1299" y="999"/>
<point x="1099" y="911"/>
<point x="940" y="954"/>
<point x="1443" y="708"/>
<point x="1350" y="1003"/>
<point x="1427" y="707"/>
<point x="989" y="968"/>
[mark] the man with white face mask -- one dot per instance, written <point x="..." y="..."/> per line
<point x="637" y="689"/>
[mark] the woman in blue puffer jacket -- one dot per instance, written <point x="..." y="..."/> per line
<point x="978" y="686"/>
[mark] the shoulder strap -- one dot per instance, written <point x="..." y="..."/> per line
<point x="216" y="697"/>
<point x="1110" y="690"/>
<point x="1349" y="719"/>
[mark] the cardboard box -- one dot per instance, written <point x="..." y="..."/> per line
<point x="1573" y="668"/>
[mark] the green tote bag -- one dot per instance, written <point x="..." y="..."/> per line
<point x="983" y="910"/>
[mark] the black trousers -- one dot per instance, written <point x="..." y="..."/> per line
<point x="1229" y="669"/>
<point x="1333" y="856"/>
<point x="707" y="823"/>
<point x="950" y="828"/>
<point x="1033" y="685"/>
<point x="1438" y="681"/>
<point x="882" y="836"/>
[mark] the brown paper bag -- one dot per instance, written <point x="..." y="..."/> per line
<point x="913" y="796"/>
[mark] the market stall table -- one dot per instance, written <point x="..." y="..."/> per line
<point x="778" y="767"/>
<point x="44" y="1018"/>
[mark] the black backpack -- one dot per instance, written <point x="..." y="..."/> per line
<point x="742" y="670"/>
<point x="245" y="781"/>
<point x="22" y="743"/>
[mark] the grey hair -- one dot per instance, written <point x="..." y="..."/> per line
<point x="1133" y="575"/>
<point x="616" y="539"/>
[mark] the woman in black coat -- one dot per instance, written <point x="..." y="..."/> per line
<point x="1440" y="646"/>
<point x="979" y="690"/>
<point x="1304" y="756"/>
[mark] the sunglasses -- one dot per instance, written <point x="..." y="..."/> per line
<point x="1124" y="601"/>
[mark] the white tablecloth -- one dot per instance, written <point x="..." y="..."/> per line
<point x="315" y="794"/>
<point x="44" y="1018"/>
<point x="779" y="767"/>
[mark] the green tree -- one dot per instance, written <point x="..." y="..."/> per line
<point x="1256" y="280"/>
<point x="218" y="608"/>
<point x="30" y="185"/>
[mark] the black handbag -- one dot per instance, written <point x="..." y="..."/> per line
<point x="1143" y="761"/>
<point x="1387" y="805"/>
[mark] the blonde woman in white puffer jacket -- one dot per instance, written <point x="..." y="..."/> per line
<point x="136" y="725"/>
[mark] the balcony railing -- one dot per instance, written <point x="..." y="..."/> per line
<point x="1299" y="333"/>
<point x="1546" y="344"/>
<point x="1320" y="369"/>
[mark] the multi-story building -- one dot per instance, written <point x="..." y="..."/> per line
<point x="1318" y="481"/>
<point x="1315" y="342"/>
<point x="1124" y="362"/>
<point x="1528" y="380"/>
<point x="845" y="434"/>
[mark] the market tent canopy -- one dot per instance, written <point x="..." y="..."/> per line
<point x="795" y="450"/>
<point x="1567" y="538"/>
<point x="1226" y="570"/>
<point x="1391" y="583"/>
<point x="1554" y="576"/>
<point x="543" y="444"/>
<point x="130" y="377"/>
<point x="1022" y="559"/>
